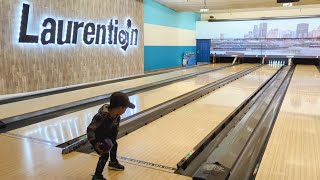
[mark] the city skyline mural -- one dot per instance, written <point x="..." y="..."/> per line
<point x="291" y="37"/>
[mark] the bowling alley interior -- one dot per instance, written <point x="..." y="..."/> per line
<point x="159" y="90"/>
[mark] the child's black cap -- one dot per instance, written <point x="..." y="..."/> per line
<point x="118" y="99"/>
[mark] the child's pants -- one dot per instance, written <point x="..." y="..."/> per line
<point x="104" y="157"/>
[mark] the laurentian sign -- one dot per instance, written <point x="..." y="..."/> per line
<point x="100" y="34"/>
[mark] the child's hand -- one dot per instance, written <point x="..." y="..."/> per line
<point x="104" y="147"/>
<point x="98" y="146"/>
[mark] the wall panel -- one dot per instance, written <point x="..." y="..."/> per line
<point x="31" y="67"/>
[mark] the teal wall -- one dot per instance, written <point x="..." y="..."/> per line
<point x="155" y="13"/>
<point x="166" y="56"/>
<point x="159" y="57"/>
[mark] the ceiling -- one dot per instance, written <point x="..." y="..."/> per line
<point x="214" y="5"/>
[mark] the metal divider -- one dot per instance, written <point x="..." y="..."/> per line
<point x="87" y="85"/>
<point x="218" y="133"/>
<point x="133" y="123"/>
<point x="237" y="149"/>
<point x="253" y="151"/>
<point x="42" y="115"/>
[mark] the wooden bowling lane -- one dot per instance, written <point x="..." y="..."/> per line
<point x="170" y="138"/>
<point x="293" y="149"/>
<point x="64" y="128"/>
<point x="32" y="105"/>
<point x="177" y="70"/>
<point x="27" y="160"/>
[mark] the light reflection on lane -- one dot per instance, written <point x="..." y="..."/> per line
<point x="70" y="126"/>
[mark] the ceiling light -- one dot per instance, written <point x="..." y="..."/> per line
<point x="204" y="10"/>
<point x="287" y="4"/>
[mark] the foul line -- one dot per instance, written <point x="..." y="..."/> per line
<point x="32" y="139"/>
<point x="147" y="163"/>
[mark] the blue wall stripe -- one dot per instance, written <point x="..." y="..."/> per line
<point x="158" y="57"/>
<point x="155" y="13"/>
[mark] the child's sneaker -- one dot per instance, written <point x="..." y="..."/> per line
<point x="98" y="177"/>
<point x="116" y="166"/>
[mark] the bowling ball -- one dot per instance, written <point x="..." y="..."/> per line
<point x="106" y="145"/>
